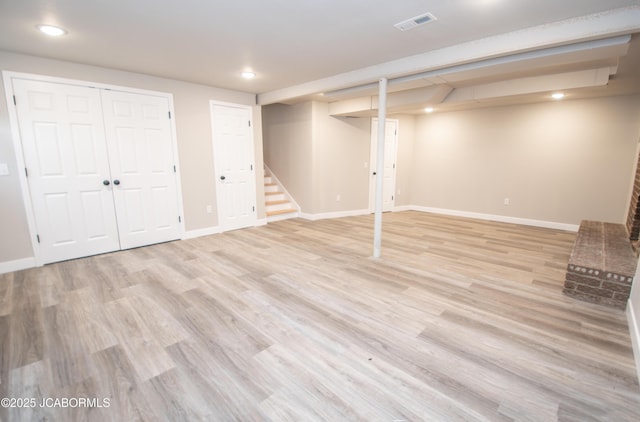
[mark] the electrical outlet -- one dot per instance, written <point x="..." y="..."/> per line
<point x="507" y="201"/>
<point x="338" y="198"/>
<point x="209" y="209"/>
<point x="4" y="169"/>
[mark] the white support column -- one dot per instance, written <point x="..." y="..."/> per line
<point x="382" y="117"/>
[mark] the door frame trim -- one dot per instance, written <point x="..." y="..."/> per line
<point x="8" y="77"/>
<point x="249" y="108"/>
<point x="373" y="151"/>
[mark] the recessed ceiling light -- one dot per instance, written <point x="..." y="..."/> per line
<point x="248" y="75"/>
<point x="429" y="110"/>
<point x="51" y="30"/>
<point x="557" y="95"/>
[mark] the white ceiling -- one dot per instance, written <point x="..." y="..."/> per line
<point x="303" y="47"/>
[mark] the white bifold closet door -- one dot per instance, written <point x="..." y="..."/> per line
<point x="100" y="168"/>
<point x="142" y="164"/>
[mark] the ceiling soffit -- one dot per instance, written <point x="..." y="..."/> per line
<point x="558" y="45"/>
<point x="587" y="64"/>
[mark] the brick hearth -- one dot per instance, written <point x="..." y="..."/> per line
<point x="602" y="265"/>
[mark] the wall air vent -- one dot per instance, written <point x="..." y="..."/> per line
<point x="415" y="21"/>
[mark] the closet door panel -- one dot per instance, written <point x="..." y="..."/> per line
<point x="65" y="152"/>
<point x="141" y="156"/>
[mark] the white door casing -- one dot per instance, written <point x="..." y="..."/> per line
<point x="65" y="155"/>
<point x="142" y="166"/>
<point x="59" y="136"/>
<point x="389" y="171"/>
<point x="234" y="165"/>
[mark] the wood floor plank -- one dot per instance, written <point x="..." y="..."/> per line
<point x="5" y="365"/>
<point x="119" y="384"/>
<point x="30" y="381"/>
<point x="459" y="319"/>
<point x="148" y="357"/>
<point x="230" y="392"/>
<point x="27" y="336"/>
<point x="6" y="293"/>
<point x="178" y="399"/>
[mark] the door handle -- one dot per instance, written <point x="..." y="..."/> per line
<point x="374" y="173"/>
<point x="222" y="177"/>
<point x="116" y="182"/>
<point x="106" y="182"/>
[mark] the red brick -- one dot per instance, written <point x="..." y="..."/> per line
<point x="617" y="287"/>
<point x="581" y="279"/>
<point x="595" y="291"/>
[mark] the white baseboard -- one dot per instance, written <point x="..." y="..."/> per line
<point x="456" y="213"/>
<point x="192" y="234"/>
<point x="404" y="208"/>
<point x="352" y="213"/>
<point x="499" y="218"/>
<point x="634" y="332"/>
<point x="338" y="214"/>
<point x="281" y="217"/>
<point x="17" y="265"/>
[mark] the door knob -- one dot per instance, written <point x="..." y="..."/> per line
<point x="222" y="177"/>
<point x="374" y="173"/>
<point x="106" y="182"/>
<point x="116" y="182"/>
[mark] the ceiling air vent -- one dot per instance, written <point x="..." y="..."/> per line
<point x="415" y="21"/>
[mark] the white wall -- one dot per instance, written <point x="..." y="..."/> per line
<point x="558" y="162"/>
<point x="341" y="147"/>
<point x="288" y="147"/>
<point x="318" y="157"/>
<point x="193" y="127"/>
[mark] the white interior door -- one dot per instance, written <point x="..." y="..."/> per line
<point x="389" y="171"/>
<point x="143" y="168"/>
<point x="234" y="164"/>
<point x="65" y="154"/>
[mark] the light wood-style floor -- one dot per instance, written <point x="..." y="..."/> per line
<point x="459" y="320"/>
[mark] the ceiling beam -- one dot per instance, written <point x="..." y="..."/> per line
<point x="535" y="84"/>
<point x="586" y="28"/>
<point x="417" y="99"/>
<point x="396" y="101"/>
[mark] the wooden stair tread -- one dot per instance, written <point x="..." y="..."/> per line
<point x="271" y="188"/>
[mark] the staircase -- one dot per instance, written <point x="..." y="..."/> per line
<point x="279" y="205"/>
